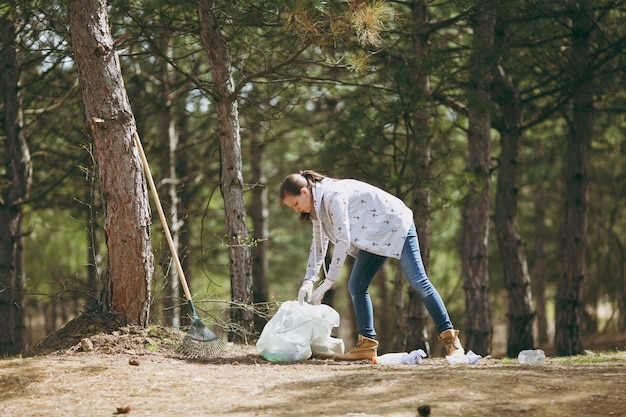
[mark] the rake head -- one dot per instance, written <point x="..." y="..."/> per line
<point x="201" y="343"/>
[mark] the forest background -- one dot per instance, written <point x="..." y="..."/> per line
<point x="501" y="126"/>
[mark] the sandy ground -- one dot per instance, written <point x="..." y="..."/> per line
<point x="153" y="382"/>
<point x="139" y="372"/>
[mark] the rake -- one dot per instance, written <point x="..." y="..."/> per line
<point x="199" y="342"/>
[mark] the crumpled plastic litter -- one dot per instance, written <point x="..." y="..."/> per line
<point x="470" y="358"/>
<point x="414" y="358"/>
<point x="297" y="331"/>
<point x="400" y="358"/>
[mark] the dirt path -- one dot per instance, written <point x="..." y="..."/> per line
<point x="240" y="383"/>
<point x="92" y="367"/>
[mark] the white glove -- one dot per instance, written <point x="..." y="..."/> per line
<point x="319" y="292"/>
<point x="306" y="291"/>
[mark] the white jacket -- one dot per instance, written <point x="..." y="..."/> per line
<point x="354" y="216"/>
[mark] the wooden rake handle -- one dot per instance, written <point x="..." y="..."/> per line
<point x="159" y="207"/>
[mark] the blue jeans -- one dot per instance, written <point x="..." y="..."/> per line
<point x="368" y="264"/>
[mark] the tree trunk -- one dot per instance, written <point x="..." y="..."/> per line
<point x="475" y="227"/>
<point x="228" y="134"/>
<point x="569" y="300"/>
<point x="512" y="252"/>
<point x="539" y="280"/>
<point x="18" y="172"/>
<point x="417" y="315"/>
<point x="94" y="256"/>
<point x="621" y="285"/>
<point x="385" y="313"/>
<point x="186" y="195"/>
<point x="258" y="215"/>
<point x="399" y="341"/>
<point x="169" y="183"/>
<point x="111" y="122"/>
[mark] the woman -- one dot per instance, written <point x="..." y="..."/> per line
<point x="371" y="225"/>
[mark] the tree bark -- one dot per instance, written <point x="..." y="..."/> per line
<point x="186" y="195"/>
<point x="228" y="134"/>
<point x="539" y="277"/>
<point x="111" y="123"/>
<point x="94" y="256"/>
<point x="258" y="215"/>
<point x="19" y="177"/>
<point x="169" y="142"/>
<point x="417" y="315"/>
<point x="516" y="277"/>
<point x="569" y="302"/>
<point x="476" y="212"/>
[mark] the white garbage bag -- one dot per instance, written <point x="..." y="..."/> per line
<point x="297" y="331"/>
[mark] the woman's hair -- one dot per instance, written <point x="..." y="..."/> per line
<point x="292" y="184"/>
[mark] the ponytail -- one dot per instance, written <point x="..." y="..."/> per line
<point x="292" y="184"/>
<point x="311" y="177"/>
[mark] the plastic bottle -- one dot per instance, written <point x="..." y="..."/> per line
<point x="531" y="357"/>
<point x="400" y="358"/>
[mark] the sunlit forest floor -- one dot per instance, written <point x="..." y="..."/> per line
<point x="91" y="367"/>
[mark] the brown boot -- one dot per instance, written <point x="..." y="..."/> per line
<point x="450" y="339"/>
<point x="365" y="349"/>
